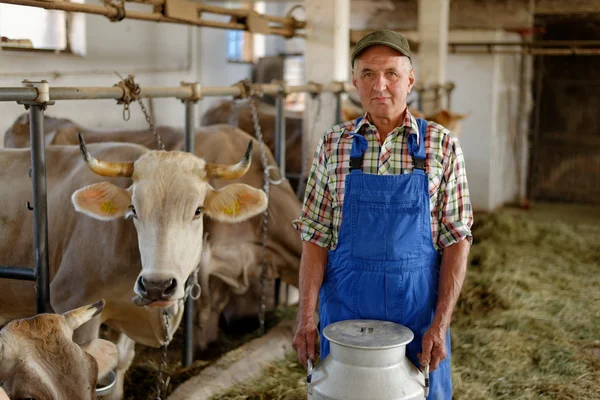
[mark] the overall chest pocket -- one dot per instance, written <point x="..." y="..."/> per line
<point x="386" y="228"/>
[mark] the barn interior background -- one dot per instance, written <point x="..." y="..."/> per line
<point x="525" y="72"/>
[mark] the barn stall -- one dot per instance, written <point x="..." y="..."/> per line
<point x="504" y="63"/>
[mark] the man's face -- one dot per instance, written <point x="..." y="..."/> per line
<point x="383" y="81"/>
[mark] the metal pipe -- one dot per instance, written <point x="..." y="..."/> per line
<point x="519" y="140"/>
<point x="280" y="136"/>
<point x="533" y="51"/>
<point x="18" y="94"/>
<point x="241" y="13"/>
<point x="180" y="92"/>
<point x="280" y="147"/>
<point x="112" y="12"/>
<point x="536" y="43"/>
<point x="20" y="273"/>
<point x="151" y="2"/>
<point x="188" y="313"/>
<point x="40" y="207"/>
<point x="338" y="108"/>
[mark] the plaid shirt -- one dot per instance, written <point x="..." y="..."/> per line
<point x="451" y="212"/>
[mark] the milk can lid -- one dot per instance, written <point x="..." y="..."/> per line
<point x="368" y="334"/>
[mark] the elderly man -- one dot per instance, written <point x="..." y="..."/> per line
<point x="400" y="251"/>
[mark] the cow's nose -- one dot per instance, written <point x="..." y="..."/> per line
<point x="157" y="290"/>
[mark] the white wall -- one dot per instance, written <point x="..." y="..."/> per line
<point x="158" y="55"/>
<point x="486" y="90"/>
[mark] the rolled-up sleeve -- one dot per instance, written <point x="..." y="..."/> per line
<point x="315" y="221"/>
<point x="455" y="213"/>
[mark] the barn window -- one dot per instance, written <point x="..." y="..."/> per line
<point x="242" y="46"/>
<point x="45" y="30"/>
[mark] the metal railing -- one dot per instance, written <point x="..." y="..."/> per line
<point x="36" y="96"/>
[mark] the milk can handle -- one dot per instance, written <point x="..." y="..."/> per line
<point x="426" y="375"/>
<point x="309" y="372"/>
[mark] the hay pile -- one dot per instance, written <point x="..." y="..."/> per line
<point x="528" y="321"/>
<point x="527" y="325"/>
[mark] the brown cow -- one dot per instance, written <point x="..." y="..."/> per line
<point x="233" y="253"/>
<point x="40" y="360"/>
<point x="152" y="266"/>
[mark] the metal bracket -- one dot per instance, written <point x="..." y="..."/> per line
<point x="43" y="94"/>
<point x="257" y="23"/>
<point x="196" y="91"/>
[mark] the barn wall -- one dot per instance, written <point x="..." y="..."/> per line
<point x="487" y="90"/>
<point x="175" y="53"/>
<point x="565" y="141"/>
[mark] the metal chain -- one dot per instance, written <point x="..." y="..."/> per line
<point x="233" y="116"/>
<point x="160" y="143"/>
<point x="131" y="92"/>
<point x="161" y="384"/>
<point x="266" y="188"/>
<point x="303" y="178"/>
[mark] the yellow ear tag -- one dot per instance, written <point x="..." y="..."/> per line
<point x="108" y="207"/>
<point x="232" y="209"/>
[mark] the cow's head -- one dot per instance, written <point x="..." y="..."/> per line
<point x="39" y="360"/>
<point x="167" y="200"/>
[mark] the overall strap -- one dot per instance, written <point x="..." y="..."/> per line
<point x="359" y="147"/>
<point x="417" y="150"/>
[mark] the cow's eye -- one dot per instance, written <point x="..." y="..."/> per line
<point x="133" y="213"/>
<point x="198" y="213"/>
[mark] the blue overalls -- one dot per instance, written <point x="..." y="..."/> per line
<point x="385" y="266"/>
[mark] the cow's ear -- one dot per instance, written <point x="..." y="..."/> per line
<point x="235" y="202"/>
<point x="105" y="353"/>
<point x="103" y="201"/>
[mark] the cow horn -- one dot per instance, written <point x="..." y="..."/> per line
<point x="104" y="168"/>
<point x="231" y="171"/>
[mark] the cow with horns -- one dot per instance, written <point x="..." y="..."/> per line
<point x="151" y="260"/>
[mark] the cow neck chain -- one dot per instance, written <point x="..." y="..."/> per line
<point x="161" y="384"/>
<point x="267" y="179"/>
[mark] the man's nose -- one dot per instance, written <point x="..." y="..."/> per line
<point x="380" y="83"/>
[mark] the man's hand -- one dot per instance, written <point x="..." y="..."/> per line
<point x="312" y="270"/>
<point x="434" y="347"/>
<point x="305" y="341"/>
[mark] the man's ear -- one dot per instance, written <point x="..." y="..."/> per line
<point x="234" y="203"/>
<point x="411" y="80"/>
<point x="105" y="353"/>
<point x="103" y="201"/>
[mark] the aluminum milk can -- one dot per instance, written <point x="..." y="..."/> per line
<point x="367" y="361"/>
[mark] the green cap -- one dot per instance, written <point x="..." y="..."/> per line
<point x="382" y="37"/>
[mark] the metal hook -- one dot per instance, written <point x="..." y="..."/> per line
<point x="198" y="291"/>
<point x="29" y="206"/>
<point x="126" y="112"/>
<point x="274" y="181"/>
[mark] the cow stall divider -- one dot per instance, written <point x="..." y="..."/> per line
<point x="37" y="96"/>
